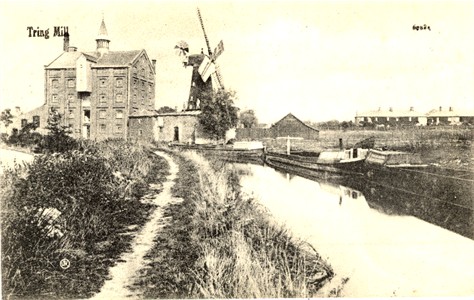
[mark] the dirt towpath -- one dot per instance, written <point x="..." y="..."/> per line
<point x="126" y="272"/>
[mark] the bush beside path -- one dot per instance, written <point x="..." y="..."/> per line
<point x="82" y="207"/>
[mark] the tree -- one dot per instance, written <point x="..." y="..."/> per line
<point x="58" y="139"/>
<point x="26" y="136"/>
<point x="218" y="113"/>
<point x="6" y="117"/>
<point x="165" y="109"/>
<point x="347" y="125"/>
<point x="248" y="119"/>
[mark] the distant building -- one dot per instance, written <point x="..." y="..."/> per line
<point x="391" y="117"/>
<point x="97" y="92"/>
<point x="291" y="126"/>
<point x="288" y="126"/>
<point x="39" y="116"/>
<point x="450" y="117"/>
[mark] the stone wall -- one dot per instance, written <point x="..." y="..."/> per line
<point x="141" y="129"/>
<point x="177" y="127"/>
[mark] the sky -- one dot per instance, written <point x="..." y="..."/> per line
<point x="320" y="60"/>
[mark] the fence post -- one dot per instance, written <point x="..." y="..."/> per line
<point x="288" y="146"/>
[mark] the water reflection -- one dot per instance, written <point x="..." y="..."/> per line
<point x="451" y="216"/>
<point x="371" y="236"/>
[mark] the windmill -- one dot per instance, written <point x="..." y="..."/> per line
<point x="206" y="75"/>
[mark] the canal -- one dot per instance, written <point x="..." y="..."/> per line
<point x="387" y="243"/>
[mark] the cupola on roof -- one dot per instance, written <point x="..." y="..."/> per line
<point x="103" y="32"/>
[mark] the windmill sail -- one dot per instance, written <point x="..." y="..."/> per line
<point x="218" y="51"/>
<point x="206" y="68"/>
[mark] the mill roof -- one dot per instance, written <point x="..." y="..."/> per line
<point x="112" y="58"/>
<point x="117" y="58"/>
<point x="195" y="59"/>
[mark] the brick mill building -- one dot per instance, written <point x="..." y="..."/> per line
<point x="97" y="92"/>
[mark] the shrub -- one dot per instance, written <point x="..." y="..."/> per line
<point x="69" y="205"/>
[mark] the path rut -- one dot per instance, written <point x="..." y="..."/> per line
<point x="126" y="272"/>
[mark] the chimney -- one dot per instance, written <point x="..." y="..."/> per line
<point x="411" y="108"/>
<point x="450" y="108"/>
<point x="66" y="42"/>
<point x="440" y="108"/>
<point x="390" y="109"/>
<point x="153" y="61"/>
<point x="380" y="108"/>
<point x="17" y="111"/>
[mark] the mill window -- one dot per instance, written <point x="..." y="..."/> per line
<point x="102" y="114"/>
<point x="118" y="128"/>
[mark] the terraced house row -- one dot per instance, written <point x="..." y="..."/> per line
<point x="408" y="117"/>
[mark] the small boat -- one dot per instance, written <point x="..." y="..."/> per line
<point x="394" y="159"/>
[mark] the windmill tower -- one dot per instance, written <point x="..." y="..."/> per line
<point x="206" y="76"/>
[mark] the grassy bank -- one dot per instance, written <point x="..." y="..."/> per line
<point x="221" y="244"/>
<point x="81" y="205"/>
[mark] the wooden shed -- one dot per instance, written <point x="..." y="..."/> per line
<point x="293" y="127"/>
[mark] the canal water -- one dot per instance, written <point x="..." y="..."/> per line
<point x="385" y="251"/>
